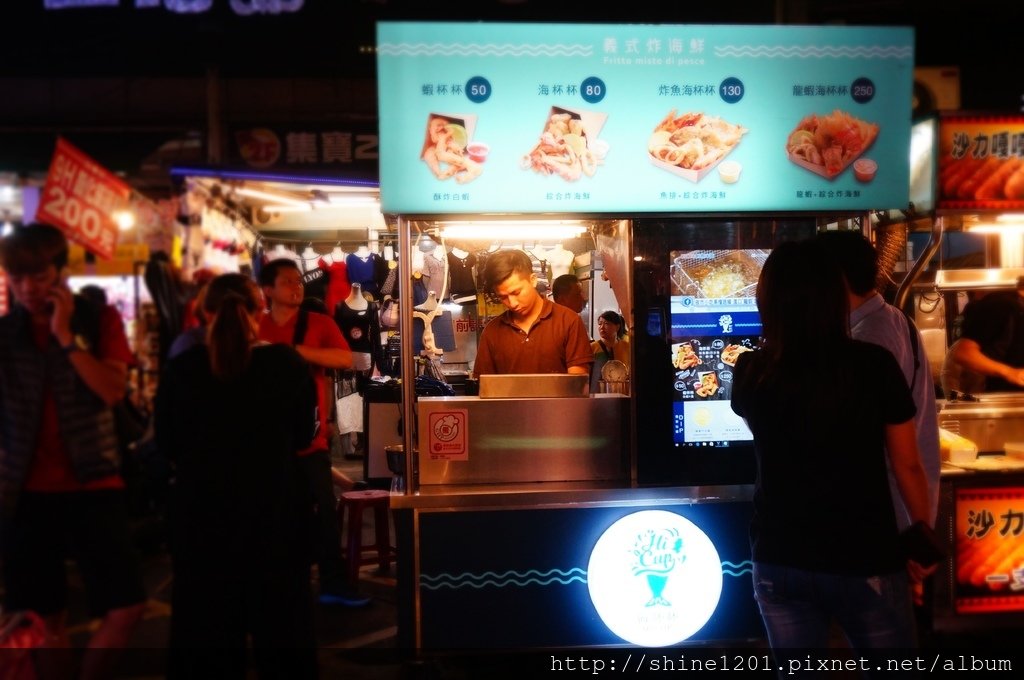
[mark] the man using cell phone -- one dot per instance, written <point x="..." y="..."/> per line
<point x="62" y="366"/>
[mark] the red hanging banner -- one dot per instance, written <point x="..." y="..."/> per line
<point x="80" y="197"/>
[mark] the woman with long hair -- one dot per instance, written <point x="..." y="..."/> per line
<point x="824" y="410"/>
<point x="230" y="415"/>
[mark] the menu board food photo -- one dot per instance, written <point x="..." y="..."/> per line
<point x="631" y="119"/>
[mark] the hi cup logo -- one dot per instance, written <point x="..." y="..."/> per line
<point x="655" y="578"/>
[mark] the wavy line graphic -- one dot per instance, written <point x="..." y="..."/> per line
<point x="729" y="572"/>
<point x="745" y="563"/>
<point x="814" y="52"/>
<point x="505" y="583"/>
<point x="498" y="577"/>
<point x="484" y="50"/>
<point x="533" y="577"/>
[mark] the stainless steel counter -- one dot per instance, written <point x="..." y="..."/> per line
<point x="564" y="494"/>
<point x="469" y="440"/>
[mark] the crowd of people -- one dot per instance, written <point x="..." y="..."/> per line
<point x="240" y="413"/>
<point x="839" y="399"/>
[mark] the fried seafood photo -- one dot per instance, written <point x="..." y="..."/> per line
<point x="692" y="142"/>
<point x="444" y="150"/>
<point x="827" y="144"/>
<point x="564" y="149"/>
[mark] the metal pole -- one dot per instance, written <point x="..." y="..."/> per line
<point x="407" y="362"/>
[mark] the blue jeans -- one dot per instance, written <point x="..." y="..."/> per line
<point x="798" y="606"/>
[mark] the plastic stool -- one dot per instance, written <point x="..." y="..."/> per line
<point x="356" y="553"/>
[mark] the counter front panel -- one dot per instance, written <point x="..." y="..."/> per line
<point x="648" y="574"/>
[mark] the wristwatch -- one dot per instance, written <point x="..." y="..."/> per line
<point x="78" y="344"/>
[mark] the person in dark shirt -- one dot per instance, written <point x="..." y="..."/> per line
<point x="992" y="340"/>
<point x="231" y="415"/>
<point x="823" y="408"/>
<point x="534" y="335"/>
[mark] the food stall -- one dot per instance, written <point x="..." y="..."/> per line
<point x="980" y="220"/>
<point x="674" y="158"/>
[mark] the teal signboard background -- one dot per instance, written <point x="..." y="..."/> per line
<point x="601" y="91"/>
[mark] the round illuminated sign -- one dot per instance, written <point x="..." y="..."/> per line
<point x="655" y="578"/>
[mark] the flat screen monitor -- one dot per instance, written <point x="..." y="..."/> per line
<point x="694" y="284"/>
<point x="713" y="319"/>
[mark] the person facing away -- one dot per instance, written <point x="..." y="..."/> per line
<point x="63" y="364"/>
<point x="992" y="339"/>
<point x="567" y="291"/>
<point x="533" y="335"/>
<point x="873" y="320"/>
<point x="823" y="408"/>
<point x="231" y="414"/>
<point x="318" y="340"/>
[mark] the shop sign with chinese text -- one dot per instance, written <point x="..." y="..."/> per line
<point x="80" y="197"/>
<point x="558" y="118"/>
<point x="981" y="162"/>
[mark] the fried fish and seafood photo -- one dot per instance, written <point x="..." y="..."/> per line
<point x="692" y="144"/>
<point x="684" y="357"/>
<point x="448" y="152"/>
<point x="567" y="147"/>
<point x="827" y="144"/>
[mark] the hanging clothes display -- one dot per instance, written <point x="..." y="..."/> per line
<point x="338" y="286"/>
<point x="460" y="274"/>
<point x="364" y="268"/>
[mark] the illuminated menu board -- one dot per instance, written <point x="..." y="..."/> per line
<point x="988" y="556"/>
<point x="556" y="118"/>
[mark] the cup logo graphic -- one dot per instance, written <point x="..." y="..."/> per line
<point x="654" y="578"/>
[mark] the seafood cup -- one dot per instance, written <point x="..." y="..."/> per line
<point x="477" y="151"/>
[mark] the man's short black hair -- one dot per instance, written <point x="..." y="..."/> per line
<point x="32" y="248"/>
<point x="503" y="264"/>
<point x="269" y="272"/>
<point x="563" y="284"/>
<point x="855" y="255"/>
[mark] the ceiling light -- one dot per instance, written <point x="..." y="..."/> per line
<point x="277" y="198"/>
<point x="125" y="219"/>
<point x="297" y="208"/>
<point x="519" y="230"/>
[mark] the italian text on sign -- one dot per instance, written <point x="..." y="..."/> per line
<point x="80" y="197"/>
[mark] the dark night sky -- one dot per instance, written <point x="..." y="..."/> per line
<point x="323" y="38"/>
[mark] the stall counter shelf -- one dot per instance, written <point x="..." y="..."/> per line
<point x="574" y="564"/>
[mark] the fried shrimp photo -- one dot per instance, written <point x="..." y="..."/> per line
<point x="444" y="151"/>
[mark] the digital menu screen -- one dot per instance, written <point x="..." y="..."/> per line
<point x="713" y="319"/>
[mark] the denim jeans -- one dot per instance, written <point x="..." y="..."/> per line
<point x="798" y="607"/>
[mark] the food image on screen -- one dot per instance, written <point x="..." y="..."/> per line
<point x="683" y="356"/>
<point x="827" y="144"/>
<point x="444" y="150"/>
<point x="691" y="144"/>
<point x="732" y="352"/>
<point x="708" y="384"/>
<point x="716" y="273"/>
<point x="565" y="148"/>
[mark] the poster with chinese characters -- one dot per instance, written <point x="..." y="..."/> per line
<point x="82" y="199"/>
<point x="556" y="118"/>
<point x="988" y="558"/>
<point x="981" y="162"/>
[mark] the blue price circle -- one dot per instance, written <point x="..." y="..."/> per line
<point x="592" y="90"/>
<point x="862" y="90"/>
<point x="732" y="90"/>
<point x="478" y="89"/>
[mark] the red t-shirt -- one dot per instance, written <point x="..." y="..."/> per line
<point x="51" y="470"/>
<point x="322" y="332"/>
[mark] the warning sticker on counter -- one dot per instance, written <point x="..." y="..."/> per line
<point x="448" y="435"/>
